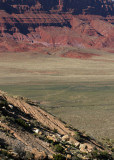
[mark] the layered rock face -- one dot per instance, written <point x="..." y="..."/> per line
<point x="56" y="22"/>
<point x="96" y="7"/>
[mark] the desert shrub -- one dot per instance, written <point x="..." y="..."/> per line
<point x="59" y="148"/>
<point x="76" y="158"/>
<point x="22" y="123"/>
<point x="59" y="157"/>
<point x="113" y="155"/>
<point x="42" y="137"/>
<point x="95" y="154"/>
<point x="77" y="136"/>
<point x="36" y="134"/>
<point x="104" y="155"/>
<point x="50" y="141"/>
<point x="112" y="149"/>
<point x="101" y="155"/>
<point x="55" y="130"/>
<point x="3" y="102"/>
<point x="3" y="144"/>
<point x="6" y="153"/>
<point x="28" y="156"/>
<point x="34" y="123"/>
<point x="2" y="118"/>
<point x="10" y="119"/>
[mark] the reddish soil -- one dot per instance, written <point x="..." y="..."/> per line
<point x="78" y="55"/>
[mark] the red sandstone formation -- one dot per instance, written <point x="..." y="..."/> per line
<point x="27" y="24"/>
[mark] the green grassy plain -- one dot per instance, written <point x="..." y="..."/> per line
<point x="80" y="92"/>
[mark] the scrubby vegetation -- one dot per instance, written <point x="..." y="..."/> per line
<point x="77" y="136"/>
<point x="59" y="157"/>
<point x="22" y="123"/>
<point x="100" y="155"/>
<point x="59" y="148"/>
<point x="55" y="130"/>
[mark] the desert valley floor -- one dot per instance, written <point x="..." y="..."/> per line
<point x="77" y="90"/>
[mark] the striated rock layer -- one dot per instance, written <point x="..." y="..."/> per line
<point x="30" y="23"/>
<point x="99" y="7"/>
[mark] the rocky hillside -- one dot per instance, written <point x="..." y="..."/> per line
<point x="27" y="24"/>
<point x="28" y="132"/>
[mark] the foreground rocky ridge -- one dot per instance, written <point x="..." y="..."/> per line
<point x="28" y="132"/>
<point x="28" y="25"/>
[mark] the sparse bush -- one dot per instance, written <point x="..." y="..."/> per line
<point x="59" y="148"/>
<point x="112" y="149"/>
<point x="101" y="155"/>
<point x="55" y="130"/>
<point x="34" y="123"/>
<point x="11" y="119"/>
<point x="77" y="136"/>
<point x="59" y="157"/>
<point x="3" y="144"/>
<point x="50" y="141"/>
<point x="76" y="158"/>
<point x="2" y="118"/>
<point x="28" y="156"/>
<point x="42" y="137"/>
<point x="113" y="155"/>
<point x="3" y="102"/>
<point x="22" y="123"/>
<point x="36" y="134"/>
<point x="6" y="153"/>
<point x="104" y="155"/>
<point x="67" y="125"/>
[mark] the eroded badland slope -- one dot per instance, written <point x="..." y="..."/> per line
<point x="28" y="25"/>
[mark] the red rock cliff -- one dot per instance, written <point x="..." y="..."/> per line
<point x="57" y="22"/>
<point x="95" y="7"/>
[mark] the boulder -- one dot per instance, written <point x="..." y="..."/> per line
<point x="40" y="133"/>
<point x="39" y="155"/>
<point x="86" y="147"/>
<point x="68" y="156"/>
<point x="83" y="148"/>
<point x="77" y="144"/>
<point x="36" y="130"/>
<point x="53" y="138"/>
<point x="65" y="138"/>
<point x="10" y="106"/>
<point x="50" y="157"/>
